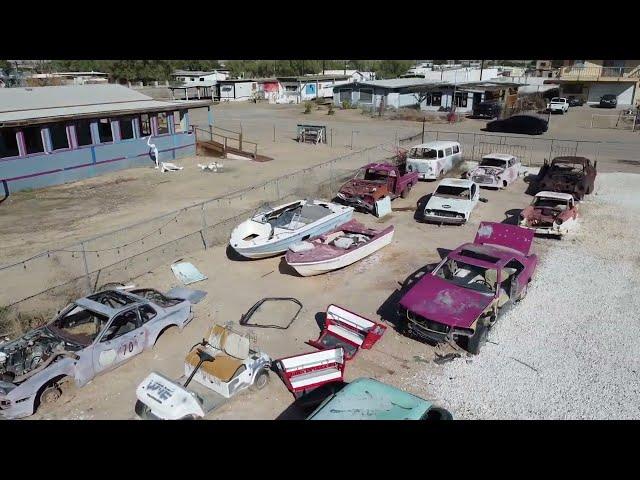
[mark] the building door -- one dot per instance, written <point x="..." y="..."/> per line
<point x="477" y="98"/>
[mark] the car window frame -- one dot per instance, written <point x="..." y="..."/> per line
<point x="140" y="307"/>
<point x="101" y="337"/>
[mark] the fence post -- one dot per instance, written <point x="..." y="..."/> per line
<point x="203" y="228"/>
<point x="332" y="137"/>
<point x="277" y="189"/>
<point x="274" y="132"/>
<point x="330" y="180"/>
<point x="551" y="149"/>
<point x="437" y="136"/>
<point x="423" y="122"/>
<point x="86" y="269"/>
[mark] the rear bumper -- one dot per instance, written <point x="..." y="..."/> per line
<point x="545" y="230"/>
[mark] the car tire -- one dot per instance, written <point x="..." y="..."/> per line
<point x="261" y="380"/>
<point x="141" y="409"/>
<point x="50" y="395"/>
<point x="478" y="339"/>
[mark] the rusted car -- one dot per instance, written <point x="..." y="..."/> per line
<point x="574" y="175"/>
<point x="374" y="182"/>
<point x="91" y="336"/>
<point x="463" y="297"/>
<point x="550" y="213"/>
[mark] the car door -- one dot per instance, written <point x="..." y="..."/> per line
<point x="123" y="338"/>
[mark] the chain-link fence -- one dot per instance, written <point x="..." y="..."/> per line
<point x="47" y="281"/>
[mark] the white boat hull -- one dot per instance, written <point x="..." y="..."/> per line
<point x="308" y="269"/>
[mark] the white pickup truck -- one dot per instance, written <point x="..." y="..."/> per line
<point x="558" y="104"/>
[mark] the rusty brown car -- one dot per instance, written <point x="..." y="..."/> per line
<point x="574" y="175"/>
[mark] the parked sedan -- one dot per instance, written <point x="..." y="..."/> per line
<point x="91" y="336"/>
<point x="608" y="101"/>
<point x="526" y="124"/>
<point x="576" y="101"/>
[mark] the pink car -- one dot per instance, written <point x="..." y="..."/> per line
<point x="496" y="170"/>
<point x="462" y="298"/>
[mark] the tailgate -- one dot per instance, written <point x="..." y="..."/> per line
<point x="510" y="236"/>
<point x="305" y="372"/>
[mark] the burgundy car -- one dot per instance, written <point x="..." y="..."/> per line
<point x="462" y="298"/>
<point x="574" y="175"/>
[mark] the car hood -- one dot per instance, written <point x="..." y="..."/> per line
<point x="362" y="187"/>
<point x="495" y="171"/>
<point x="539" y="214"/>
<point x="450" y="204"/>
<point x="436" y="299"/>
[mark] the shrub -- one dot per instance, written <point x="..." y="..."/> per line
<point x="346" y="104"/>
<point x="308" y="106"/>
<point x="331" y="111"/>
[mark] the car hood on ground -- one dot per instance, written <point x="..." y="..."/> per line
<point x="451" y="204"/>
<point x="436" y="299"/>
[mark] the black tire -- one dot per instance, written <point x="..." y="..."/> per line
<point x="141" y="409"/>
<point x="438" y="413"/>
<point x="50" y="395"/>
<point x="261" y="380"/>
<point x="479" y="338"/>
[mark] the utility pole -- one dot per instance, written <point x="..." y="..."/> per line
<point x="323" y="67"/>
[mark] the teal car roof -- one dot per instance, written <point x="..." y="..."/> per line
<point x="368" y="399"/>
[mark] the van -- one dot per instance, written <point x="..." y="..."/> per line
<point x="433" y="160"/>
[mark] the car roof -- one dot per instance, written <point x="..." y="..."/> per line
<point x="436" y="144"/>
<point x="97" y="307"/>
<point x="500" y="156"/>
<point x="369" y="399"/>
<point x="456" y="182"/>
<point x="559" y="195"/>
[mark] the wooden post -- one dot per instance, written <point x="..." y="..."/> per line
<point x="203" y="230"/>
<point x="274" y="132"/>
<point x="423" y="122"/>
<point x="332" y="137"/>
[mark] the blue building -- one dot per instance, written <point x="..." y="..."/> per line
<point x="54" y="135"/>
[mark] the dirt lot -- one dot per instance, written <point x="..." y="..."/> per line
<point x="72" y="212"/>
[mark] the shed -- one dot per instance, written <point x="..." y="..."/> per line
<point x="237" y="90"/>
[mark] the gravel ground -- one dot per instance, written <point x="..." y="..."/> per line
<point x="569" y="350"/>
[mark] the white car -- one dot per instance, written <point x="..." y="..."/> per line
<point x="496" y="170"/>
<point x="433" y="160"/>
<point x="452" y="202"/>
<point x="558" y="104"/>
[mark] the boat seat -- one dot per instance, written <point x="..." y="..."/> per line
<point x="343" y="242"/>
<point x="223" y="367"/>
<point x="312" y="378"/>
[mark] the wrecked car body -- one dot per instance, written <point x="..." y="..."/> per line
<point x="220" y="366"/>
<point x="91" y="336"/>
<point x="462" y="298"/>
<point x="452" y="202"/>
<point x="496" y="170"/>
<point x="574" y="175"/>
<point x="375" y="181"/>
<point x="550" y="213"/>
<point x="369" y="399"/>
<point x="308" y="371"/>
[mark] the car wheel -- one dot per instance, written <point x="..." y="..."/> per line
<point x="141" y="409"/>
<point x="479" y="338"/>
<point x="50" y="395"/>
<point x="261" y="380"/>
<point x="504" y="184"/>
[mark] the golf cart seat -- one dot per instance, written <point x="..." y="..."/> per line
<point x="229" y="351"/>
<point x="223" y="367"/>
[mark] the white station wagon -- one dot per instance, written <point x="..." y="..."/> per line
<point x="432" y="160"/>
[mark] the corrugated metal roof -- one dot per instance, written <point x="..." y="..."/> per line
<point x="38" y="104"/>
<point x="397" y="83"/>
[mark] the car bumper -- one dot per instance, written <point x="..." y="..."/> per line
<point x="14" y="410"/>
<point x="426" y="176"/>
<point x="545" y="230"/>
<point x="355" y="202"/>
<point x="487" y="182"/>
<point x="447" y="220"/>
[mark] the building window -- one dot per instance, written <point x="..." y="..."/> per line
<point x="291" y="88"/>
<point x="59" y="138"/>
<point x="83" y="133"/>
<point x="345" y="95"/>
<point x="33" y="140"/>
<point x="126" y="129"/>
<point x="366" y="96"/>
<point x="104" y="129"/>
<point x="202" y="79"/>
<point x="145" y="125"/>
<point x="163" y="125"/>
<point x="461" y="99"/>
<point x="178" y="116"/>
<point x="434" y="99"/>
<point x="8" y="143"/>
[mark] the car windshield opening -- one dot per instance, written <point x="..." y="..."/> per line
<point x="423" y="153"/>
<point x="568" y="167"/>
<point x="492" y="162"/>
<point x="375" y="175"/>
<point x="452" y="192"/>
<point x="468" y="276"/>
<point x="79" y="325"/>
<point x="554" y="203"/>
<point x="111" y="298"/>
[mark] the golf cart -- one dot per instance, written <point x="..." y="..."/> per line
<point x="219" y="367"/>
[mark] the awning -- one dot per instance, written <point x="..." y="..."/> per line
<point x="529" y="89"/>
